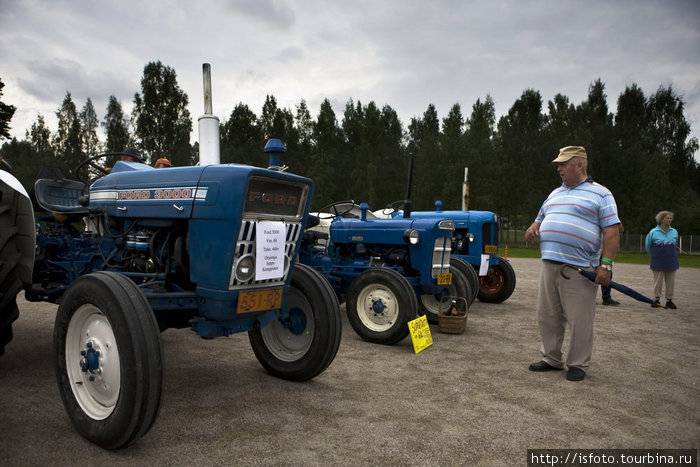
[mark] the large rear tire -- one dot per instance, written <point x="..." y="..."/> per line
<point x="460" y="287"/>
<point x="10" y="285"/>
<point x="380" y="303"/>
<point x="498" y="284"/>
<point x="303" y="344"/>
<point x="108" y="359"/>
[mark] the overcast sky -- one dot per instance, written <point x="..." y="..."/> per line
<point x="404" y="53"/>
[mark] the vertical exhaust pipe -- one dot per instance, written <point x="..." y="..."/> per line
<point x="209" y="143"/>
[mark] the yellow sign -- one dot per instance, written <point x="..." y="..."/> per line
<point x="420" y="334"/>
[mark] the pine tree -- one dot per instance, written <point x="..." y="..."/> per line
<point x="67" y="144"/>
<point x="116" y="127"/>
<point x="485" y="170"/>
<point x="241" y="139"/>
<point x="88" y="129"/>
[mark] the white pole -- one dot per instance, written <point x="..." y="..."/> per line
<point x="465" y="190"/>
<point x="209" y="144"/>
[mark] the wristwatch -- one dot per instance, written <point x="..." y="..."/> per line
<point x="606" y="266"/>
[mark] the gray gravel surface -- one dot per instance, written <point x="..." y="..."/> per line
<point x="467" y="400"/>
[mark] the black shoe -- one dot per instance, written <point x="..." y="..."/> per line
<point x="671" y="305"/>
<point x="575" y="374"/>
<point x="611" y="302"/>
<point x="543" y="366"/>
<point x="656" y="304"/>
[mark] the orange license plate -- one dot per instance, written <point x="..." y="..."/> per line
<point x="445" y="279"/>
<point x="259" y="300"/>
<point x="491" y="249"/>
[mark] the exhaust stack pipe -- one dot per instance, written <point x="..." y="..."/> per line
<point x="209" y="143"/>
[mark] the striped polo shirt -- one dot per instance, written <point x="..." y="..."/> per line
<point x="572" y="220"/>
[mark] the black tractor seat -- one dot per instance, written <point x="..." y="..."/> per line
<point x="62" y="196"/>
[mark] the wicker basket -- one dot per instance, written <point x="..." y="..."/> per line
<point x="448" y="323"/>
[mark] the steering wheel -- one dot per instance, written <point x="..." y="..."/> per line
<point x="393" y="207"/>
<point x="89" y="163"/>
<point x="335" y="211"/>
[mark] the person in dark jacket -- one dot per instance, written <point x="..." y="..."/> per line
<point x="661" y="244"/>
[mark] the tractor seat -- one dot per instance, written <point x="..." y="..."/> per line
<point x="312" y="236"/>
<point x="60" y="196"/>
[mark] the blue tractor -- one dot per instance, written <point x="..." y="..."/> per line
<point x="475" y="235"/>
<point x="209" y="248"/>
<point x="474" y="241"/>
<point x="387" y="271"/>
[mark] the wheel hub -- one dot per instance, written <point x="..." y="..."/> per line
<point x="90" y="361"/>
<point x="378" y="307"/>
<point x="295" y="322"/>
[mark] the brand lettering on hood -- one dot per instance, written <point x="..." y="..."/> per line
<point x="273" y="198"/>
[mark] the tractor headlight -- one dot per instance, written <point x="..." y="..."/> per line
<point x="447" y="225"/>
<point x="245" y="268"/>
<point x="470" y="237"/>
<point x="411" y="236"/>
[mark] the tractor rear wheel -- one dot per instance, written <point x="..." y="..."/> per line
<point x="498" y="284"/>
<point x="460" y="287"/>
<point x="301" y="345"/>
<point x="380" y="303"/>
<point x="108" y="358"/>
<point x="10" y="285"/>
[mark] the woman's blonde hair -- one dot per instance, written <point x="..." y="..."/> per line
<point x="661" y="215"/>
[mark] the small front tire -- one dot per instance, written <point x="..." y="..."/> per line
<point x="460" y="287"/>
<point x="380" y="303"/>
<point x="108" y="359"/>
<point x="304" y="344"/>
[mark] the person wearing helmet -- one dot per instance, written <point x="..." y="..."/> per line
<point x="163" y="163"/>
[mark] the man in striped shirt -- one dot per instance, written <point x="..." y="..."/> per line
<point x="576" y="222"/>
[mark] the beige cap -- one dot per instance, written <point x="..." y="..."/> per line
<point x="570" y="151"/>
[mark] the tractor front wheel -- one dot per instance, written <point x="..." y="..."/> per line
<point x="498" y="284"/>
<point x="304" y="342"/>
<point x="471" y="275"/>
<point x="108" y="359"/>
<point x="380" y="303"/>
<point x="460" y="287"/>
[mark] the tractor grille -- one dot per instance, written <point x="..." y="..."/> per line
<point x="489" y="230"/>
<point x="245" y="245"/>
<point x="441" y="256"/>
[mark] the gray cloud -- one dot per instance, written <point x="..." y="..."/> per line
<point x="275" y="13"/>
<point x="407" y="54"/>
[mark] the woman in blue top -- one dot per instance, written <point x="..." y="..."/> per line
<point x="661" y="243"/>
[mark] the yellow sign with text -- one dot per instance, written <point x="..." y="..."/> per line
<point x="420" y="334"/>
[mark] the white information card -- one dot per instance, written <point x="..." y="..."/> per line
<point x="269" y="250"/>
<point x="484" y="269"/>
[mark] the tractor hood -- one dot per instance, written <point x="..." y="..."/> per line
<point x="461" y="218"/>
<point x="209" y="192"/>
<point x="386" y="231"/>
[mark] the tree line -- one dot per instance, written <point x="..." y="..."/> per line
<point x="643" y="152"/>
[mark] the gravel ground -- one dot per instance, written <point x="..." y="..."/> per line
<point x="467" y="400"/>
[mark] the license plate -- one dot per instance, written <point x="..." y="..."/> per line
<point x="491" y="249"/>
<point x="445" y="278"/>
<point x="259" y="300"/>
